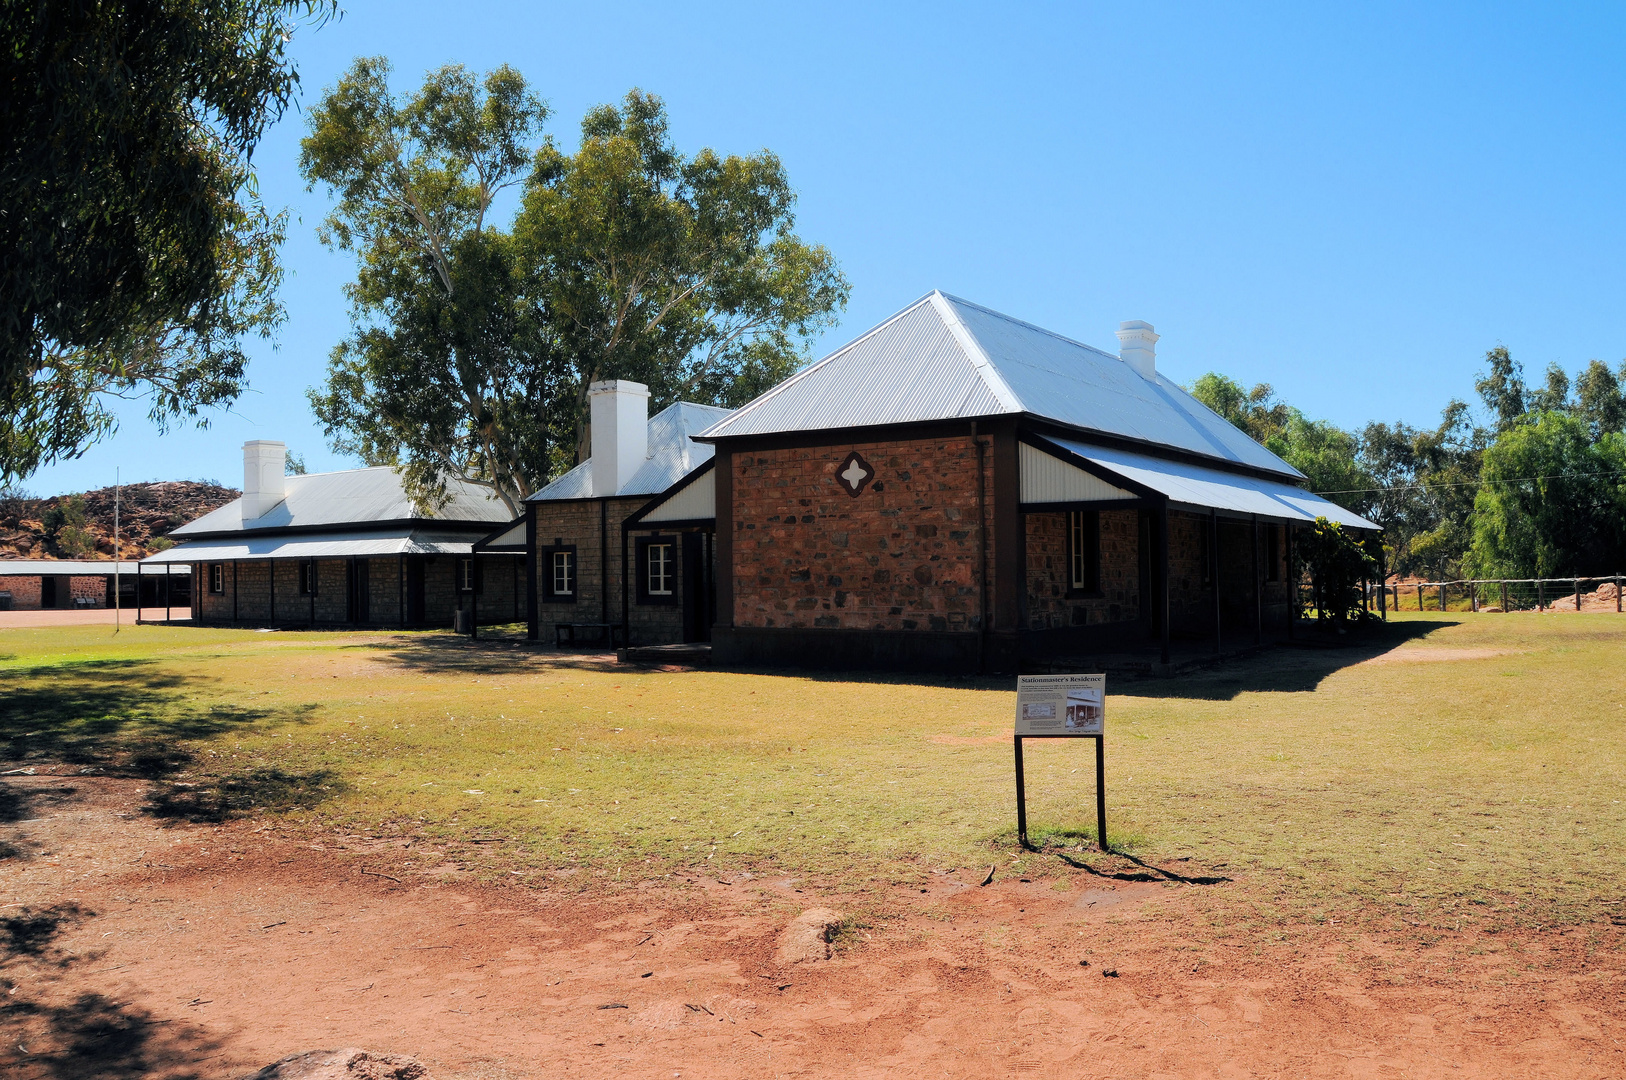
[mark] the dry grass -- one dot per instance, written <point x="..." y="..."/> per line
<point x="1480" y="779"/>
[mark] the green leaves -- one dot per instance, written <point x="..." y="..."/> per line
<point x="474" y="347"/>
<point x="138" y="253"/>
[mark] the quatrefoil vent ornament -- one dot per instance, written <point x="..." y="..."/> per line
<point x="854" y="473"/>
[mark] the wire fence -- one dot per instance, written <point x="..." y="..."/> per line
<point x="1599" y="593"/>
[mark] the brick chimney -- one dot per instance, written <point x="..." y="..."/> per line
<point x="263" y="488"/>
<point x="619" y="434"/>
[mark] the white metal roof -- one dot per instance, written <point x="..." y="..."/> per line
<point x="672" y="455"/>
<point x="349" y="497"/>
<point x="331" y="545"/>
<point x="945" y="358"/>
<point x="1195" y="487"/>
<point x="68" y="567"/>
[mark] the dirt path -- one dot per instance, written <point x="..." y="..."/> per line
<point x="12" y="620"/>
<point x="131" y="949"/>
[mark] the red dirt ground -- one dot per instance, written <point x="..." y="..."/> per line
<point x="132" y="949"/>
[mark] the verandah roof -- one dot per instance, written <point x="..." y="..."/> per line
<point x="333" y="545"/>
<point x="1195" y="487"/>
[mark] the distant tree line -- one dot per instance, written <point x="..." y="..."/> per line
<point x="1534" y="486"/>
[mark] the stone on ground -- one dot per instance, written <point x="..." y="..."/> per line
<point x="350" y="1064"/>
<point x="807" y="938"/>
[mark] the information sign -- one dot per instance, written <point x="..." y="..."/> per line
<point x="1052" y="705"/>
<point x="1062" y="707"/>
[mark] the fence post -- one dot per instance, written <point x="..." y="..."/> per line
<point x="1577" y="595"/>
<point x="1541" y="594"/>
<point x="1419" y="596"/>
<point x="1504" y="597"/>
<point x="1442" y="596"/>
<point x="1473" y="596"/>
<point x="1617" y="594"/>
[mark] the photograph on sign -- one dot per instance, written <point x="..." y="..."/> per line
<point x="1061" y="704"/>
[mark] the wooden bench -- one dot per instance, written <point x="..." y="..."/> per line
<point x="570" y="635"/>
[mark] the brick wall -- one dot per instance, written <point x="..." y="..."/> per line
<point x="1049" y="578"/>
<point x="86" y="588"/>
<point x="24" y="590"/>
<point x="576" y="523"/>
<point x="900" y="556"/>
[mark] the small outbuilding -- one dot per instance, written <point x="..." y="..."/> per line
<point x="77" y="584"/>
<point x="347" y="548"/>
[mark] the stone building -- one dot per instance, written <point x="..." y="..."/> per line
<point x="954" y="490"/>
<point x="346" y="548"/>
<point x="622" y="546"/>
<point x="76" y="584"/>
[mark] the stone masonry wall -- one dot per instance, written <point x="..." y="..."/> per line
<point x="900" y="556"/>
<point x="1048" y="575"/>
<point x="577" y="523"/>
<point x="24" y="590"/>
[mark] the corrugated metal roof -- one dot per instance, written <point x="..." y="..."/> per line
<point x="946" y="358"/>
<point x="333" y="545"/>
<point x="1199" y="488"/>
<point x="64" y="567"/>
<point x="672" y="455"/>
<point x="349" y="497"/>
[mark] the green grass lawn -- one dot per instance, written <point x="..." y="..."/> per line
<point x="1471" y="761"/>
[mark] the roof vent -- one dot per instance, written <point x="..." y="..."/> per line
<point x="1137" y="347"/>
<point x="620" y="433"/>
<point x="263" y="487"/>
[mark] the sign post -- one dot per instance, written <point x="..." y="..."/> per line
<point x="1062" y="707"/>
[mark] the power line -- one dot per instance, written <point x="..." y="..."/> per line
<point x="1470" y="483"/>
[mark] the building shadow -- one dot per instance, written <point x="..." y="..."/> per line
<point x="1294" y="666"/>
<point x="447" y="654"/>
<point x="54" y="1032"/>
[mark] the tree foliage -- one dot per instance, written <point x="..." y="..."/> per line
<point x="138" y="255"/>
<point x="447" y="372"/>
<point x="681" y="273"/>
<point x="474" y="345"/>
<point x="1339" y="564"/>
<point x="1552" y="501"/>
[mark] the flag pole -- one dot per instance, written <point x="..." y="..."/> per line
<point x="117" y="590"/>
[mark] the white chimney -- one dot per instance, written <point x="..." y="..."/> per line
<point x="620" y="432"/>
<point x="263" y="461"/>
<point x="1137" y="347"/>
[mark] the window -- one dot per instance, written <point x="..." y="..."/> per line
<point x="1083" y="552"/>
<point x="307" y="578"/>
<point x="559" y="574"/>
<point x="217" y="577"/>
<point x="465" y="575"/>
<point x="1273" y="553"/>
<point x="657" y="570"/>
<point x="659" y="566"/>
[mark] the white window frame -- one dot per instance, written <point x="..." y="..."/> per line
<point x="658" y="568"/>
<point x="465" y="575"/>
<point x="562" y="571"/>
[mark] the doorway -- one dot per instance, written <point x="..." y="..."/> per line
<point x="699" y="587"/>
<point x="47" y="592"/>
<point x="414" y="591"/>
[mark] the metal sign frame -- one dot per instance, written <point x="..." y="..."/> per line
<point x="1099" y="719"/>
<point x="1100" y="788"/>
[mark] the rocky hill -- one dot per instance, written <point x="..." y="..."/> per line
<point x="81" y="526"/>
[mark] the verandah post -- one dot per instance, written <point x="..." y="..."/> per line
<point x="1214" y="574"/>
<point x="1258" y="591"/>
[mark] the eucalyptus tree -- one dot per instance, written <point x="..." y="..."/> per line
<point x="473" y="345"/>
<point x="682" y="273"/>
<point x="138" y="256"/>
<point x="447" y="371"/>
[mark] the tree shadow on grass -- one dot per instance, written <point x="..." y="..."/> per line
<point x="131" y="718"/>
<point x="51" y="1031"/>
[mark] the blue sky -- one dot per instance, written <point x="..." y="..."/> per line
<point x="1349" y="202"/>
